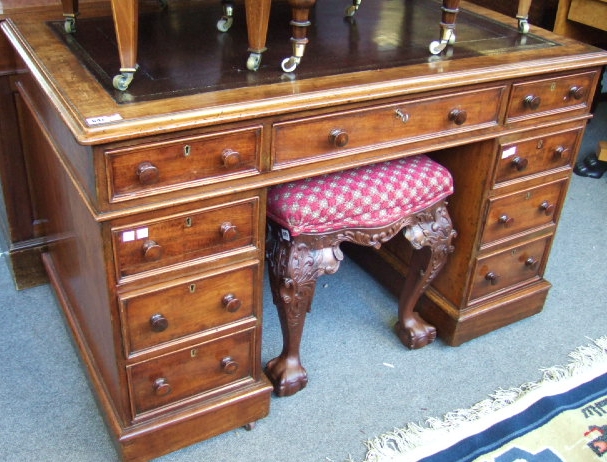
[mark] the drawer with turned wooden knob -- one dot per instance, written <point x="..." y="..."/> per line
<point x="385" y="125"/>
<point x="523" y="211"/>
<point x="179" y="309"/>
<point x="535" y="155"/>
<point x="179" y="235"/>
<point x="159" y="167"/>
<point x="517" y="265"/>
<point x="545" y="96"/>
<point x="193" y="372"/>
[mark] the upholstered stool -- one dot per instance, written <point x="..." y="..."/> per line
<point x="309" y="219"/>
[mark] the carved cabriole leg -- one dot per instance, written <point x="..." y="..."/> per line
<point x="294" y="266"/>
<point x="431" y="235"/>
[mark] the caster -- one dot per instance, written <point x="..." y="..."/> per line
<point x="254" y="61"/>
<point x="250" y="426"/>
<point x="352" y="9"/>
<point x="523" y="26"/>
<point x="224" y="24"/>
<point x="290" y="64"/>
<point x="122" y="81"/>
<point x="436" y="47"/>
<point x="70" y="25"/>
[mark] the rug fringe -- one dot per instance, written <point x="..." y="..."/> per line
<point x="400" y="441"/>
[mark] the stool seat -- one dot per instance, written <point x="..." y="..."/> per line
<point x="309" y="219"/>
<point x="370" y="196"/>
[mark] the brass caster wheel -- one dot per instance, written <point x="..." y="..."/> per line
<point x="290" y="64"/>
<point x="436" y="47"/>
<point x="350" y="11"/>
<point x="224" y="24"/>
<point x="254" y="61"/>
<point x="523" y="26"/>
<point x="122" y="81"/>
<point x="69" y="25"/>
<point x="250" y="426"/>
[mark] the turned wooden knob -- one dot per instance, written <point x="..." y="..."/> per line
<point x="228" y="230"/>
<point x="158" y="322"/>
<point x="339" y="138"/>
<point x="531" y="262"/>
<point x="228" y="365"/>
<point x="506" y="220"/>
<point x="231" y="303"/>
<point x="492" y="277"/>
<point x="230" y="158"/>
<point x="559" y="153"/>
<point x="577" y="92"/>
<point x="147" y="173"/>
<point x="520" y="163"/>
<point x="532" y="101"/>
<point x="458" y="116"/>
<point x="547" y="208"/>
<point x="151" y="250"/>
<point x="161" y="387"/>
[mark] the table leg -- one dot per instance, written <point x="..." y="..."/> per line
<point x="523" y="15"/>
<point x="258" y="18"/>
<point x="126" y="21"/>
<point x="299" y="23"/>
<point x="449" y="9"/>
<point x="70" y="11"/>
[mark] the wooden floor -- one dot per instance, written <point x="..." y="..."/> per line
<point x="181" y="52"/>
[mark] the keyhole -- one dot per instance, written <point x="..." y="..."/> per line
<point x="188" y="222"/>
<point x="186" y="150"/>
<point x="194" y="352"/>
<point x="540" y="144"/>
<point x="192" y="288"/>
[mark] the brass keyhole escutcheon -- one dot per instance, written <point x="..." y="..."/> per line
<point x="553" y="86"/>
<point x="194" y="352"/>
<point x="540" y="144"/>
<point x="187" y="150"/>
<point x="188" y="222"/>
<point x="192" y="288"/>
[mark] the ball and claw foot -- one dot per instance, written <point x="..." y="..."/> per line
<point x="290" y="64"/>
<point x="416" y="333"/>
<point x="254" y="61"/>
<point x="287" y="378"/>
<point x="123" y="80"/>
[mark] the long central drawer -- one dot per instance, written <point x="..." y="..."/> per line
<point x="387" y="125"/>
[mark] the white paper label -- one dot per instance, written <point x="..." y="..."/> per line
<point x="509" y="152"/>
<point x="128" y="236"/>
<point x="103" y="119"/>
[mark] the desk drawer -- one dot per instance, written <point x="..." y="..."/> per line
<point x="383" y="126"/>
<point x="185" y="307"/>
<point x="523" y="210"/>
<point x="157" y="167"/>
<point x="185" y="236"/>
<point x="191" y="371"/>
<point x="532" y="99"/>
<point x="535" y="155"/>
<point x="516" y="265"/>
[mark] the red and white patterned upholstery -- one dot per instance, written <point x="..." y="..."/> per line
<point x="364" y="197"/>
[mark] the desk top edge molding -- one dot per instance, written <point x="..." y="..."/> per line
<point x="213" y="108"/>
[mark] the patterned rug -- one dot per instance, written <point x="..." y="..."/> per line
<point x="561" y="418"/>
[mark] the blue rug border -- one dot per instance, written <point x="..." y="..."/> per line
<point x="531" y="418"/>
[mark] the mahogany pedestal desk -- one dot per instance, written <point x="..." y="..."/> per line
<point x="153" y="213"/>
